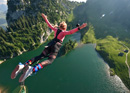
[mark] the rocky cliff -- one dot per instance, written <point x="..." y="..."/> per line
<point x="18" y="8"/>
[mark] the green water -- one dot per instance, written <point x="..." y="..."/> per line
<point x="80" y="71"/>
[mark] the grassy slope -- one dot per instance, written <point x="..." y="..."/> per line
<point x="112" y="47"/>
<point x="109" y="48"/>
<point x="89" y="36"/>
<point x="70" y="17"/>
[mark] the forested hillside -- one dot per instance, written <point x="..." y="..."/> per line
<point x="26" y="28"/>
<point x="110" y="30"/>
<point x="107" y="16"/>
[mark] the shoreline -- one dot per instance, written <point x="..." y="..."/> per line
<point x="108" y="69"/>
<point x="115" y="76"/>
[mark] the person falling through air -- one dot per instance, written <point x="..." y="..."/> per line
<point x="51" y="51"/>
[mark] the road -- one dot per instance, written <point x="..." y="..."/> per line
<point x="127" y="58"/>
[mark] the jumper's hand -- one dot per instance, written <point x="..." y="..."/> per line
<point x="83" y="25"/>
<point x="44" y="16"/>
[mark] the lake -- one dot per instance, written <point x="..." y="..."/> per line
<point x="80" y="71"/>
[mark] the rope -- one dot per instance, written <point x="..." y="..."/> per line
<point x="23" y="88"/>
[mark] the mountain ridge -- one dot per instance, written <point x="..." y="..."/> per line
<point x="24" y="31"/>
<point x="110" y="20"/>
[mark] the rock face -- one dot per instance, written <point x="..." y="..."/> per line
<point x="17" y="8"/>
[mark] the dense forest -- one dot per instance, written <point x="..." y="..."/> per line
<point x="26" y="28"/>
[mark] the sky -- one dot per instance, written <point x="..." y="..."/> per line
<point x="5" y="1"/>
<point x="78" y="0"/>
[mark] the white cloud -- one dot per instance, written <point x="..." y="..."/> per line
<point x="3" y="1"/>
<point x="79" y="0"/>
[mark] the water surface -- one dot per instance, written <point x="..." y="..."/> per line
<point x="81" y="71"/>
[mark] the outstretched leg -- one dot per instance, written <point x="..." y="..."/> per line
<point x="50" y="60"/>
<point x="20" y="66"/>
<point x="29" y="69"/>
<point x="35" y="59"/>
<point x="54" y="51"/>
<point x="44" y="54"/>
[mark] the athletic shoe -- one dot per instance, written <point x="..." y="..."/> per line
<point x="17" y="70"/>
<point x="26" y="73"/>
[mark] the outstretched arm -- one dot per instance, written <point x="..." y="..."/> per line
<point x="48" y="23"/>
<point x="76" y="29"/>
<point x="83" y="26"/>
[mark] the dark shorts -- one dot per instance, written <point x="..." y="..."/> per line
<point x="52" y="50"/>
